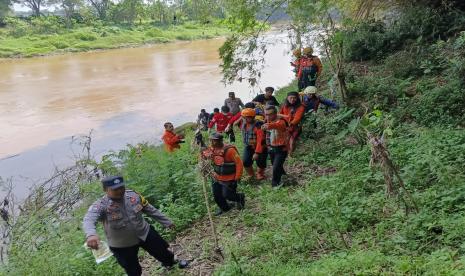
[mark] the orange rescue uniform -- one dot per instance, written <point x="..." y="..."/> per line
<point x="171" y="141"/>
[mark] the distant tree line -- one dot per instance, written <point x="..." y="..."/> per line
<point x="122" y="11"/>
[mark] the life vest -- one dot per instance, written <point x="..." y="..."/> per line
<point x="259" y="114"/>
<point x="220" y="166"/>
<point x="293" y="110"/>
<point x="276" y="138"/>
<point x="249" y="136"/>
<point x="307" y="67"/>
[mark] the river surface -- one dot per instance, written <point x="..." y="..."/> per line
<point x="123" y="95"/>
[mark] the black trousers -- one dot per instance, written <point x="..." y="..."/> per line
<point x="247" y="157"/>
<point x="155" y="245"/>
<point x="308" y="78"/>
<point x="225" y="191"/>
<point x="278" y="156"/>
<point x="231" y="135"/>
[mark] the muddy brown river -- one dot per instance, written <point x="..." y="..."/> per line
<point x="123" y="95"/>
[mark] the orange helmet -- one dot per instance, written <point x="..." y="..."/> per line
<point x="248" y="112"/>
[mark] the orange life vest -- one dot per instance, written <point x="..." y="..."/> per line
<point x="220" y="165"/>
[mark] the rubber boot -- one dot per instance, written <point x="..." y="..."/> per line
<point x="249" y="171"/>
<point x="261" y="174"/>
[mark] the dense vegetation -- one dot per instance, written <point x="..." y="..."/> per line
<point x="48" y="245"/>
<point x="45" y="36"/>
<point x="405" y="80"/>
<point x="407" y="75"/>
<point x="77" y="25"/>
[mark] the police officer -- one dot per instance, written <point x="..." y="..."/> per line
<point x="228" y="167"/>
<point x="126" y="230"/>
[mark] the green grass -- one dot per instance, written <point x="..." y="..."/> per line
<point x="337" y="219"/>
<point x="55" y="246"/>
<point x="98" y="38"/>
<point x="334" y="223"/>
<point x="341" y="223"/>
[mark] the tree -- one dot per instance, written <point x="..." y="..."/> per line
<point x="4" y="9"/>
<point x="160" y="11"/>
<point x="34" y="5"/>
<point x="128" y="11"/>
<point x="242" y="53"/>
<point x="69" y="8"/>
<point x="101" y="7"/>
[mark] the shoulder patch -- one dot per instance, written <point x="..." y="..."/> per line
<point x="143" y="201"/>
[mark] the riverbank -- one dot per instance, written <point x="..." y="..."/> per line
<point x="334" y="218"/>
<point x="374" y="188"/>
<point x="15" y="44"/>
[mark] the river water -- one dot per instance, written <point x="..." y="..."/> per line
<point x="123" y="95"/>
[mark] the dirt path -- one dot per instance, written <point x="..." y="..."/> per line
<point x="196" y="243"/>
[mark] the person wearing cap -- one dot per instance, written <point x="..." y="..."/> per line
<point x="254" y="143"/>
<point x="121" y="212"/>
<point x="311" y="100"/>
<point x="234" y="104"/>
<point x="227" y="166"/>
<point x="171" y="140"/>
<point x="267" y="98"/>
<point x="277" y="137"/>
<point x="310" y="68"/>
<point x="293" y="111"/>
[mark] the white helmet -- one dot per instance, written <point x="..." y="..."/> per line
<point x="310" y="90"/>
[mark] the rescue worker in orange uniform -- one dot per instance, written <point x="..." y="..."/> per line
<point x="172" y="140"/>
<point x="293" y="111"/>
<point x="236" y="119"/>
<point x="310" y="68"/>
<point x="254" y="144"/>
<point x="228" y="167"/>
<point x="276" y="135"/>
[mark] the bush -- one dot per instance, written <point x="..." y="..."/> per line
<point x="440" y="105"/>
<point x="154" y="32"/>
<point x="17" y="27"/>
<point x="59" y="44"/>
<point x="190" y="26"/>
<point x="426" y="23"/>
<point x="365" y="41"/>
<point x="379" y="91"/>
<point x="404" y="64"/>
<point x="374" y="39"/>
<point x="85" y="36"/>
<point x="440" y="93"/>
<point x="184" y="37"/>
<point x="48" y="24"/>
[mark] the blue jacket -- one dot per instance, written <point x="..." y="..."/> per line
<point x="314" y="103"/>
